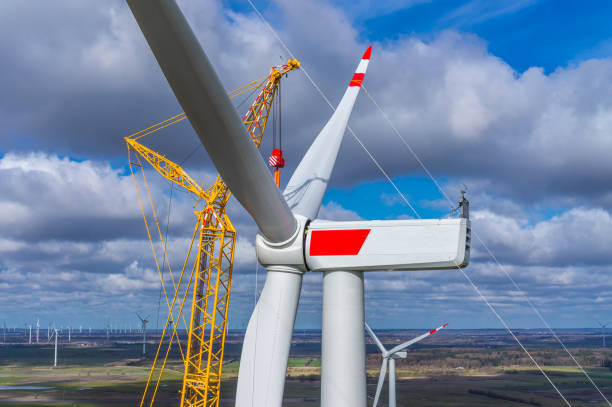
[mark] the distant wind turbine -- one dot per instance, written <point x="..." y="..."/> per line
<point x="603" y="332"/>
<point x="389" y="357"/>
<point x="144" y="332"/>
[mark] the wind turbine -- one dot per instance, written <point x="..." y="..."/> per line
<point x="389" y="357"/>
<point x="603" y="332"/>
<point x="291" y="240"/>
<point x="37" y="328"/>
<point x="144" y="321"/>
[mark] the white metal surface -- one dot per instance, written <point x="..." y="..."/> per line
<point x="391" y="382"/>
<point x="305" y="190"/>
<point x="389" y="245"/>
<point x="289" y="254"/>
<point x="343" y="375"/>
<point x="265" y="350"/>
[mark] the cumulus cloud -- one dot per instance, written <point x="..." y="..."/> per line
<point x="74" y="228"/>
<point x="579" y="236"/>
<point x="465" y="111"/>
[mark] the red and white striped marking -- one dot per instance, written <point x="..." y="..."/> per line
<point x="357" y="78"/>
<point x="433" y="331"/>
<point x="273" y="160"/>
<point x="276" y="159"/>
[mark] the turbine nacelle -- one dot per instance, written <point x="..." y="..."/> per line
<point x="415" y="244"/>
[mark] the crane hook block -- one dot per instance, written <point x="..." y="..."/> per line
<point x="276" y="158"/>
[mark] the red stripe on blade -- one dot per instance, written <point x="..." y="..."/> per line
<point x="432" y="331"/>
<point x="345" y="242"/>
<point x="357" y="79"/>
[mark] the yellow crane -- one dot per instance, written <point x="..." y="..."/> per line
<point x="210" y="279"/>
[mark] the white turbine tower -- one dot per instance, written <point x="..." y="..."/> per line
<point x="291" y="240"/>
<point x="603" y="332"/>
<point x="389" y="357"/>
<point x="55" y="353"/>
<point x="30" y="340"/>
<point x="37" y="329"/>
<point x="144" y="322"/>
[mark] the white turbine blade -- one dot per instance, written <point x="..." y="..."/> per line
<point x="415" y="340"/>
<point x="265" y="350"/>
<point x="378" y="342"/>
<point x="381" y="381"/>
<point x="212" y="115"/>
<point x="305" y="190"/>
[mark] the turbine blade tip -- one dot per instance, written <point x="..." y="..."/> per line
<point x="366" y="55"/>
<point x="445" y="325"/>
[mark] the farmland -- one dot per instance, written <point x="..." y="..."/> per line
<point x="455" y="368"/>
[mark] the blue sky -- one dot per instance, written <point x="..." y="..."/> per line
<point x="547" y="33"/>
<point x="512" y="99"/>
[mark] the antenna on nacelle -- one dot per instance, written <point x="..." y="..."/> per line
<point x="464" y="204"/>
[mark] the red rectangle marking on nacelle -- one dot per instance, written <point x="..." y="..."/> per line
<point x="342" y="242"/>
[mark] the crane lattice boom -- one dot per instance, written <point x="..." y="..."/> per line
<point x="211" y="281"/>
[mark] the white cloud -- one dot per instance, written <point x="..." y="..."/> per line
<point x="576" y="237"/>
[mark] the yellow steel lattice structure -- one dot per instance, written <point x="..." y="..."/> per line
<point x="211" y="277"/>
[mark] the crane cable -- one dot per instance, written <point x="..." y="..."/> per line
<point x="403" y="197"/>
<point x="253" y="86"/>
<point x="176" y="287"/>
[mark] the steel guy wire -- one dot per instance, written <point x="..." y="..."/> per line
<point x="486" y="247"/>
<point x="322" y="94"/>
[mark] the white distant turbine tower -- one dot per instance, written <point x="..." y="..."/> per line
<point x="37" y="329"/>
<point x="389" y="357"/>
<point x="55" y="353"/>
<point x="291" y="240"/>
